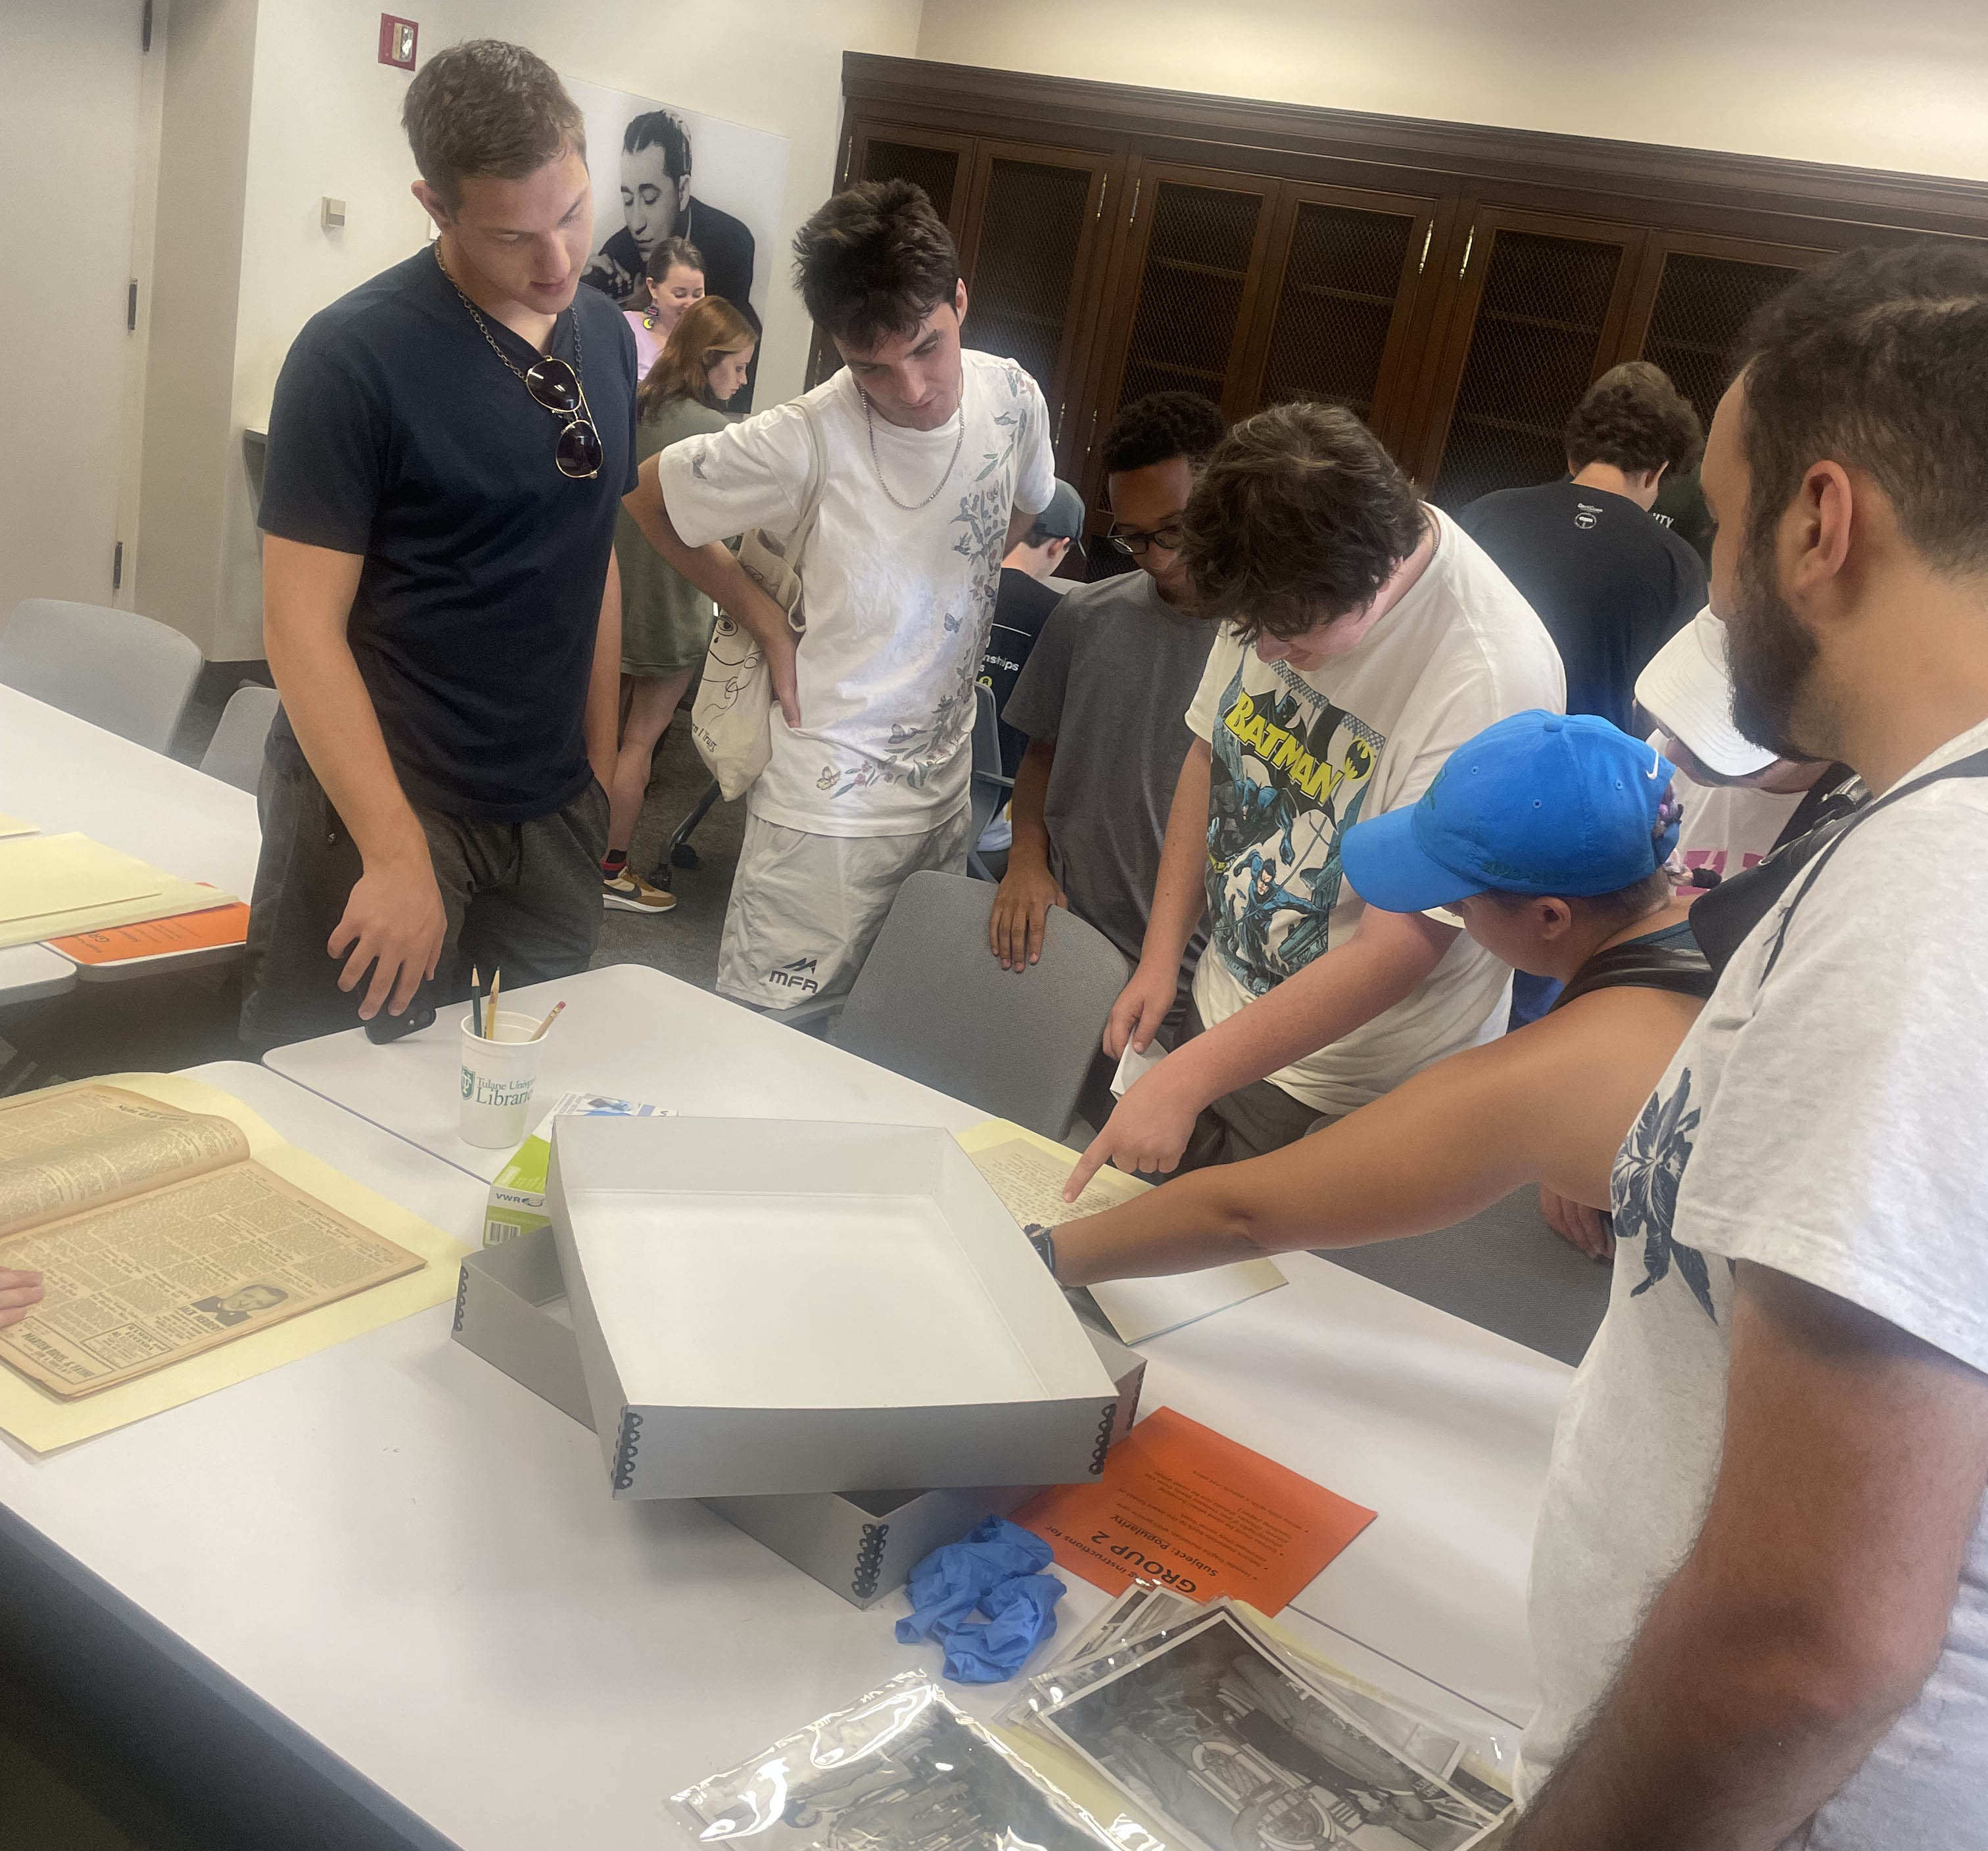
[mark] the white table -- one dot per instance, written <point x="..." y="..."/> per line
<point x="629" y="1030"/>
<point x="61" y="773"/>
<point x="28" y="972"/>
<point x="423" y="1575"/>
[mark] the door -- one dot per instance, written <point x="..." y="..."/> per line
<point x="1034" y="242"/>
<point x="1694" y="297"/>
<point x="942" y="165"/>
<point x="79" y="129"/>
<point x="1195" y="243"/>
<point x="1347" y="275"/>
<point x="1538" y="308"/>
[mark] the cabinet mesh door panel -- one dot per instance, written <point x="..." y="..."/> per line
<point x="1336" y="306"/>
<point x="937" y="169"/>
<point x="1191" y="292"/>
<point x="1703" y="303"/>
<point x="1024" y="269"/>
<point x="1532" y="354"/>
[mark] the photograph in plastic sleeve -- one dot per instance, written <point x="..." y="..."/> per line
<point x="1416" y="1738"/>
<point x="1234" y="1752"/>
<point x="902" y="1770"/>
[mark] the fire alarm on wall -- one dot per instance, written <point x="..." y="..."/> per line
<point x="397" y="42"/>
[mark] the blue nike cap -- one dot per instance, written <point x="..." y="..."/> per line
<point x="1540" y="803"/>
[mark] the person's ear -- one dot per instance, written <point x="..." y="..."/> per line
<point x="959" y="299"/>
<point x="1818" y="526"/>
<point x="431" y="203"/>
<point x="683" y="192"/>
<point x="1552" y="917"/>
<point x="1058" y="548"/>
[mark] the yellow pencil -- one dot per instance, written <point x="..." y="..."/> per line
<point x="490" y="1013"/>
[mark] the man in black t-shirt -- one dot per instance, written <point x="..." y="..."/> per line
<point x="1029" y="590"/>
<point x="1612" y="584"/>
<point x="447" y="448"/>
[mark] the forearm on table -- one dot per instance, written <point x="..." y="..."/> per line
<point x="1179" y="898"/>
<point x="1442" y="1146"/>
<point x="1329" y="998"/>
<point x="1029" y="806"/>
<point x="329" y="708"/>
<point x="604" y="687"/>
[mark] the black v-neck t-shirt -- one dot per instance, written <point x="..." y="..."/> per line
<point x="397" y="434"/>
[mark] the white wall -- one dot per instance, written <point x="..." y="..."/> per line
<point x="325" y="120"/>
<point x="1846" y="81"/>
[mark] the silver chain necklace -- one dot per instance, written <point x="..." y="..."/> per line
<point x="483" y="328"/>
<point x="875" y="462"/>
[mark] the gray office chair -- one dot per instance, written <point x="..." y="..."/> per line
<point x="234" y="754"/>
<point x="931" y="1003"/>
<point x="989" y="789"/>
<point x="117" y="669"/>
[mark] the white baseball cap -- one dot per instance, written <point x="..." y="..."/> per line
<point x="1688" y="688"/>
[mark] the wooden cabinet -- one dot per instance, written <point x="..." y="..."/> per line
<point x="1458" y="287"/>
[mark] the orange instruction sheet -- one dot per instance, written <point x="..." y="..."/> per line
<point x="1180" y="1504"/>
<point x="154" y="937"/>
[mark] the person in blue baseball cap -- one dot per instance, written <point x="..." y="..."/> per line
<point x="1545" y="835"/>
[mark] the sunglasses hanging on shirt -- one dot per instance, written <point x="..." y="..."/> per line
<point x="556" y="386"/>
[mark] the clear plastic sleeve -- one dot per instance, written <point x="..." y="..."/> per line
<point x="902" y="1770"/>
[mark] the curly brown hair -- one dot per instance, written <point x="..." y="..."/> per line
<point x="1634" y="419"/>
<point x="1300" y="517"/>
<point x="487" y="108"/>
<point x="874" y="261"/>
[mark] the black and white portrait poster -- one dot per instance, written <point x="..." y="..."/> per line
<point x="660" y="171"/>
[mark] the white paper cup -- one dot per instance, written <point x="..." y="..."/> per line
<point x="497" y="1077"/>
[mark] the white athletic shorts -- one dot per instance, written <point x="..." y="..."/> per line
<point x="805" y="909"/>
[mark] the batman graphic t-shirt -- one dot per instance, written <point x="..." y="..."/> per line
<point x="1300" y="757"/>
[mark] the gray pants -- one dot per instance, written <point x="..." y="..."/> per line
<point x="1253" y="1121"/>
<point x="523" y="897"/>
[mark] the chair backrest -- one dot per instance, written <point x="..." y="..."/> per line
<point x="234" y="754"/>
<point x="986" y="792"/>
<point x="932" y="1003"/>
<point x="117" y="669"/>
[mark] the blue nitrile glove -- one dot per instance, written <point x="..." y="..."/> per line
<point x="997" y="1567"/>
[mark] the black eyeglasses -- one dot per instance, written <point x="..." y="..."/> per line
<point x="556" y="387"/>
<point x="1135" y="544"/>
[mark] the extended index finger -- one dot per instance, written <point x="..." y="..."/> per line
<point x="1088" y="1165"/>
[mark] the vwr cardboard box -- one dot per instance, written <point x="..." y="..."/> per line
<point x="766" y="1306"/>
<point x="511" y="1309"/>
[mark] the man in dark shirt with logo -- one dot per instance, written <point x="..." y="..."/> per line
<point x="1611" y="584"/>
<point x="1029" y="592"/>
<point x="447" y="448"/>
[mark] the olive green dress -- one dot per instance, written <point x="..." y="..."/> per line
<point x="666" y="621"/>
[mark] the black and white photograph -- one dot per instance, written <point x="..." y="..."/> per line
<point x="1234" y="1752"/>
<point x="662" y="172"/>
<point x="900" y="1771"/>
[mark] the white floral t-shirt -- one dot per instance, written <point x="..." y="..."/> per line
<point x="898" y="600"/>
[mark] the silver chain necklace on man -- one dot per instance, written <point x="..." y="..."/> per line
<point x="875" y="462"/>
<point x="517" y="372"/>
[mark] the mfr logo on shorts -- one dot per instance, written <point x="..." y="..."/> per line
<point x="798" y="975"/>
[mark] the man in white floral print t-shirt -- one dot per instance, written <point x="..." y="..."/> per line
<point x="1759" y="1589"/>
<point x="937" y="458"/>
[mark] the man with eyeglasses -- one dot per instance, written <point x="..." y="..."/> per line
<point x="1103" y="699"/>
<point x="448" y="446"/>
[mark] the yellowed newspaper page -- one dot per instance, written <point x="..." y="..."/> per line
<point x="88" y="1145"/>
<point x="158" y="1278"/>
<point x="43" y="1422"/>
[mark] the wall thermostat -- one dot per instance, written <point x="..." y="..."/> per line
<point x="332" y="214"/>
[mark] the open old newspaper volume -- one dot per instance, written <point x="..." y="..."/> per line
<point x="158" y="1235"/>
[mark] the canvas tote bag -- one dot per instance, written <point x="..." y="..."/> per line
<point x="731" y="720"/>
